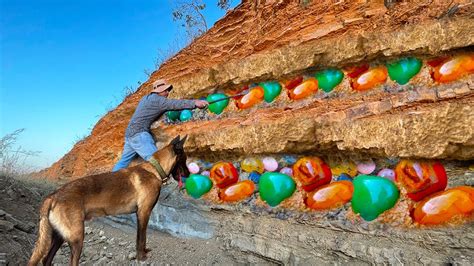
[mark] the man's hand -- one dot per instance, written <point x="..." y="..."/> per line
<point x="201" y="104"/>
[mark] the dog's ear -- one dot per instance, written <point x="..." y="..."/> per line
<point x="175" y="140"/>
<point x="180" y="143"/>
<point x="183" y="140"/>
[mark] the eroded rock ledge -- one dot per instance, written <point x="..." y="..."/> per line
<point x="421" y="123"/>
<point x="338" y="51"/>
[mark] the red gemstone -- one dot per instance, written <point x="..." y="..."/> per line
<point x="224" y="174"/>
<point x="354" y="72"/>
<point x="312" y="172"/>
<point x="437" y="61"/>
<point x="291" y="84"/>
<point x="421" y="179"/>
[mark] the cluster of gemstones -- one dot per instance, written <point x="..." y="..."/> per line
<point x="361" y="78"/>
<point x="371" y="190"/>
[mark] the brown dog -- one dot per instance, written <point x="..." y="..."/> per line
<point x="131" y="190"/>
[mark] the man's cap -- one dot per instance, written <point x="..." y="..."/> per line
<point x="160" y="85"/>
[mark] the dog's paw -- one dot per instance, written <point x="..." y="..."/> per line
<point x="142" y="256"/>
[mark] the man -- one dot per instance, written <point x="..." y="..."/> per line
<point x="138" y="140"/>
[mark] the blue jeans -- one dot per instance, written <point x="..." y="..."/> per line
<point x="141" y="144"/>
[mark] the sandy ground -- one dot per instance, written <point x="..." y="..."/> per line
<point x="106" y="243"/>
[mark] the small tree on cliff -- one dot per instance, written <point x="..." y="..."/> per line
<point x="190" y="14"/>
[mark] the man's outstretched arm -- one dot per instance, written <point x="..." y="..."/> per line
<point x="174" y="104"/>
<point x="178" y="104"/>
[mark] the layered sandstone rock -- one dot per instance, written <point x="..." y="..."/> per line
<point x="264" y="40"/>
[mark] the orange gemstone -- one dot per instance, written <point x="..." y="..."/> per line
<point x="236" y="192"/>
<point x="370" y="79"/>
<point x="303" y="90"/>
<point x="442" y="206"/>
<point x="311" y="172"/>
<point x="330" y="196"/>
<point x="224" y="174"/>
<point x="250" y="99"/>
<point x="453" y="68"/>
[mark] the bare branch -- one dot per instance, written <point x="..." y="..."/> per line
<point x="224" y="4"/>
<point x="12" y="159"/>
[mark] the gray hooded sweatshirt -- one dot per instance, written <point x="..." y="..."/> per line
<point x="150" y="108"/>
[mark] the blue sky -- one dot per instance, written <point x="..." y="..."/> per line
<point x="65" y="63"/>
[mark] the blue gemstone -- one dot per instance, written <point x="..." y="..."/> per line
<point x="205" y="164"/>
<point x="253" y="85"/>
<point x="255" y="177"/>
<point x="290" y="160"/>
<point x="344" y="176"/>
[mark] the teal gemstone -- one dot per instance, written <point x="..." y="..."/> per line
<point x="275" y="187"/>
<point x="404" y="69"/>
<point x="185" y="115"/>
<point x="271" y="90"/>
<point x="197" y="185"/>
<point x="328" y="79"/>
<point x="173" y="115"/>
<point x="217" y="107"/>
<point x="373" y="195"/>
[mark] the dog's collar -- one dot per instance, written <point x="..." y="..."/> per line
<point x="158" y="168"/>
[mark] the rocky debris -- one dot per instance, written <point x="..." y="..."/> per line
<point x="18" y="216"/>
<point x="6" y="226"/>
<point x="132" y="255"/>
<point x="165" y="249"/>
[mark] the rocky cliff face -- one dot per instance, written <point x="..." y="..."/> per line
<point x="275" y="40"/>
<point x="367" y="89"/>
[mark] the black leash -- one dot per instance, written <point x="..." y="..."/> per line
<point x="227" y="98"/>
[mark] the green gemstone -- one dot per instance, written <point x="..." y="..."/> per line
<point x="173" y="115"/>
<point x="185" y="115"/>
<point x="197" y="185"/>
<point x="404" y="69"/>
<point x="217" y="107"/>
<point x="275" y="187"/>
<point x="373" y="195"/>
<point x="271" y="90"/>
<point x="328" y="79"/>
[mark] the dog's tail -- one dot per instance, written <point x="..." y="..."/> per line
<point x="45" y="233"/>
